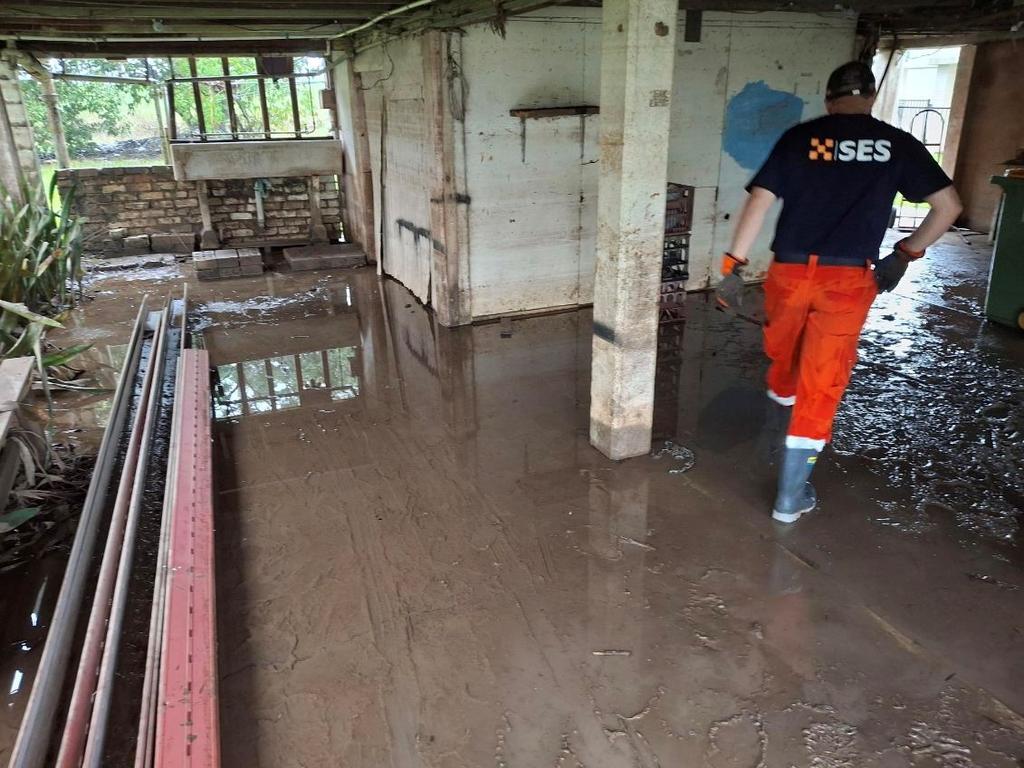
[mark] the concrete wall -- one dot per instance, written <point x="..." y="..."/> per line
<point x="531" y="185"/>
<point x="993" y="128"/>
<point x="358" y="212"/>
<point x="533" y="181"/>
<point x="532" y="217"/>
<point x="147" y="200"/>
<point x="393" y="85"/>
<point x="18" y="150"/>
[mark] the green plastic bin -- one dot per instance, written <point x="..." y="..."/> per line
<point x="1004" y="302"/>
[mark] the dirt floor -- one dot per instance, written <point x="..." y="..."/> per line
<point x="422" y="562"/>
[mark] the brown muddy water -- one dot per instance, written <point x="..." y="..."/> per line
<point x="421" y="561"/>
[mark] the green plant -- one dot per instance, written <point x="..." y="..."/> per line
<point x="88" y="109"/>
<point x="40" y="262"/>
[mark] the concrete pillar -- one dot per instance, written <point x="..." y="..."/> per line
<point x="208" y="237"/>
<point x="637" y="58"/>
<point x="357" y="213"/>
<point x="448" y="200"/>
<point x="317" y="230"/>
<point x="10" y="170"/>
<point x="42" y="75"/>
<point x="958" y="108"/>
<point x="60" y="143"/>
<point x="885" y="103"/>
<point x="18" y="160"/>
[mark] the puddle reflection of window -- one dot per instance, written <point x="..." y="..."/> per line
<point x="313" y="370"/>
<point x="277" y="383"/>
<point x="344" y="383"/>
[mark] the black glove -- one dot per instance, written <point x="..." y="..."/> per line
<point x="890" y="270"/>
<point x="729" y="292"/>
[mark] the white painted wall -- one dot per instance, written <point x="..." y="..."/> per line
<point x="394" y="95"/>
<point x="533" y="215"/>
<point x="346" y="133"/>
<point x="532" y="208"/>
<point x="533" y="182"/>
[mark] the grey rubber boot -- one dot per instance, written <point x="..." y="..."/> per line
<point x="796" y="495"/>
<point x="772" y="440"/>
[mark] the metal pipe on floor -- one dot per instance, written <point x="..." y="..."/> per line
<point x="147" y="720"/>
<point x="73" y="740"/>
<point x="34" y="736"/>
<point x="111" y="647"/>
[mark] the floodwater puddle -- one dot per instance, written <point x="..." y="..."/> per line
<point x="398" y="584"/>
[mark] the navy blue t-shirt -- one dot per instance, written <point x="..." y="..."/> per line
<point x="837" y="177"/>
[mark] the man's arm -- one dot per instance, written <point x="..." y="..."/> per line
<point x="945" y="208"/>
<point x="751" y="220"/>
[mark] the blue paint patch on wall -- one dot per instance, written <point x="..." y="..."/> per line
<point x="755" y="118"/>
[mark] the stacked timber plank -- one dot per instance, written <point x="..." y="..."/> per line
<point x="324" y="256"/>
<point x="15" y="380"/>
<point x="227" y="262"/>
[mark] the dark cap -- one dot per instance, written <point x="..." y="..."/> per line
<point x="854" y="78"/>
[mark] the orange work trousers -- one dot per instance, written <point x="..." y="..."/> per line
<point x="814" y="317"/>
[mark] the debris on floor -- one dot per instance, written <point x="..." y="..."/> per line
<point x="684" y="456"/>
<point x="146" y="261"/>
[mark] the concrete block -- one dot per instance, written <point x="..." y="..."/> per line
<point x="344" y="261"/>
<point x="204" y="261"/>
<point x="230" y="272"/>
<point x="325" y="256"/>
<point x="251" y="270"/>
<point x="172" y="243"/>
<point x="250" y="257"/>
<point x="136" y="245"/>
<point x="113" y="247"/>
<point x="226" y="259"/>
<point x="303" y="263"/>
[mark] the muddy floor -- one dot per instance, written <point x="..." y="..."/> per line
<point x="422" y="562"/>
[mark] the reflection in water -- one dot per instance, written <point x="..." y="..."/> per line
<point x="280" y="383"/>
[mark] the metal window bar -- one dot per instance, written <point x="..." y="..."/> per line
<point x="198" y="98"/>
<point x="229" y="93"/>
<point x="922" y="125"/>
<point x="228" y="80"/>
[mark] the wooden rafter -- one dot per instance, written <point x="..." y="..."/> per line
<point x="233" y="27"/>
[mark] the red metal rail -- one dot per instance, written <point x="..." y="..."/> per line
<point x="187" y="729"/>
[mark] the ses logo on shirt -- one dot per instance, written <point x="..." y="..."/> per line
<point x="851" y="150"/>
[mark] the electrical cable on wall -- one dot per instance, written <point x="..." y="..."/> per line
<point x="386" y="77"/>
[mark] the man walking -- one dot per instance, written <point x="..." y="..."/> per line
<point x="837" y="177"/>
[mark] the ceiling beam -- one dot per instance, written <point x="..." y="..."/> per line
<point x="140" y="49"/>
<point x="37" y="14"/>
<point x="170" y="31"/>
<point x="949" y="40"/>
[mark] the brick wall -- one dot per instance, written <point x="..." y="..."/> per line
<point x="147" y="201"/>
